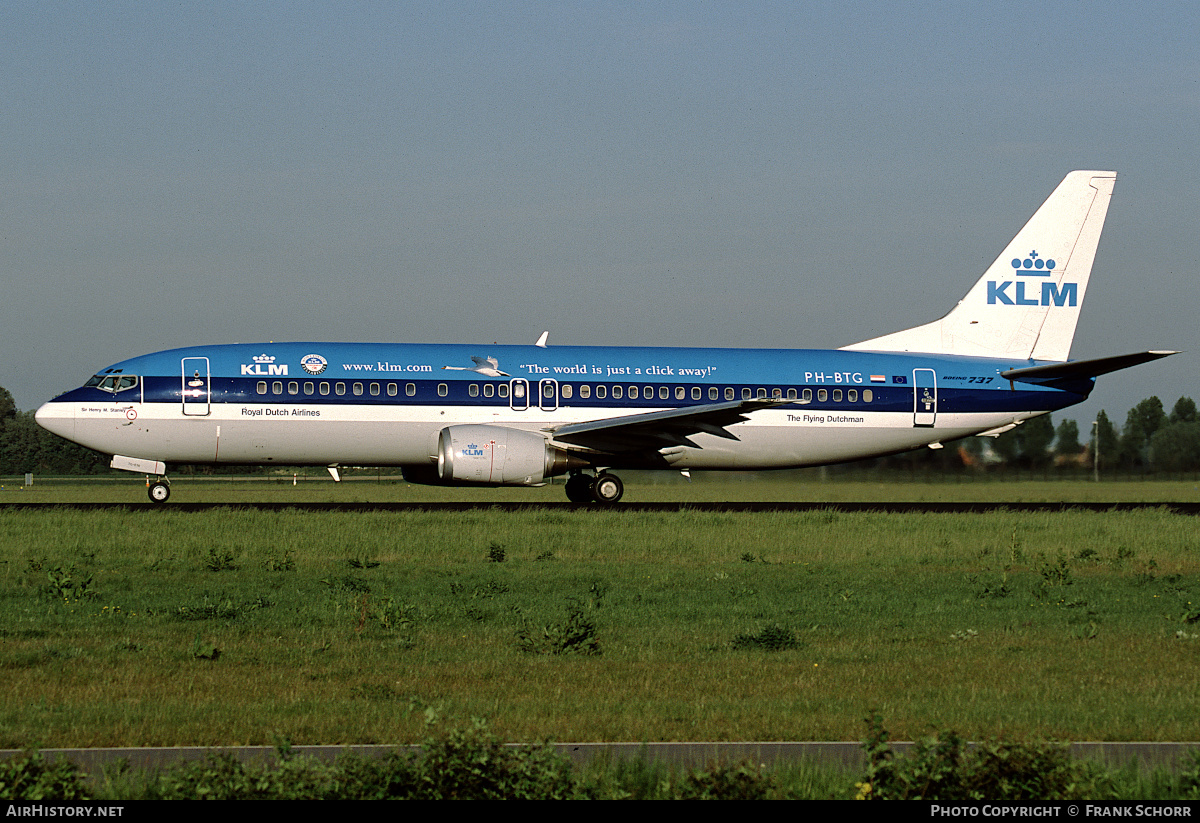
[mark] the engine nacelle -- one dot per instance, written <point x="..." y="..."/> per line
<point x="499" y="456"/>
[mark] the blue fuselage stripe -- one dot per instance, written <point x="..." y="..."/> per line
<point x="244" y="391"/>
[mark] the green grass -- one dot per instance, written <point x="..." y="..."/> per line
<point x="234" y="627"/>
<point x="315" y="485"/>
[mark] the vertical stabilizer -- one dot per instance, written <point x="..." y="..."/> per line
<point x="1027" y="303"/>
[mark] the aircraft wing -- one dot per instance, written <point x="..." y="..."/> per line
<point x="658" y="430"/>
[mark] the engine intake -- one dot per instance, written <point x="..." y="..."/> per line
<point x="499" y="456"/>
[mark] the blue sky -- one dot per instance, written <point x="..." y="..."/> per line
<point x="682" y="174"/>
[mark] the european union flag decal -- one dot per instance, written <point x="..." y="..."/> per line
<point x="899" y="378"/>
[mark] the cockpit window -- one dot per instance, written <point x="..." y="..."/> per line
<point x="112" y="382"/>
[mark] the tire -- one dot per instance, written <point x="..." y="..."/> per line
<point x="579" y="488"/>
<point x="159" y="492"/>
<point x="607" y="489"/>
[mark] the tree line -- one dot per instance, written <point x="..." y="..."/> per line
<point x="27" y="447"/>
<point x="1152" y="440"/>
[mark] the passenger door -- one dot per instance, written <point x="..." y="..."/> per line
<point x="197" y="396"/>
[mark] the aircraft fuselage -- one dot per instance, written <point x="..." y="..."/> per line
<point x="385" y="404"/>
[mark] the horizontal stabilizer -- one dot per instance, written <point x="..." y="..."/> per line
<point x="1083" y="368"/>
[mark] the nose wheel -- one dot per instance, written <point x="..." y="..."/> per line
<point x="159" y="490"/>
<point x="603" y="489"/>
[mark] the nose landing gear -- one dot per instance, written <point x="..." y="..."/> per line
<point x="159" y="490"/>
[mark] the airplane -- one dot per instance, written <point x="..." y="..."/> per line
<point x="504" y="415"/>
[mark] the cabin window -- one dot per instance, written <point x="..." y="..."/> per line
<point x="518" y="390"/>
<point x="852" y="395"/>
<point x="806" y="396"/>
<point x="746" y="394"/>
<point x="443" y="390"/>
<point x="616" y="391"/>
<point x="664" y="393"/>
<point x="695" y="392"/>
<point x="777" y="394"/>
<point x="837" y="395"/>
<point x="357" y="388"/>
<point x="547" y="389"/>
<point x="410" y="389"/>
<point x="473" y="390"/>
<point x="567" y="391"/>
<point x="585" y="391"/>
<point x="309" y="387"/>
<point x="822" y="395"/>
<point x="603" y="390"/>
<point x="323" y="388"/>
<point x="374" y="389"/>
<point x="791" y="395"/>
<point x="293" y="387"/>
<point x="868" y="395"/>
<point x="762" y="393"/>
<point x="339" y="388"/>
<point x="262" y="387"/>
<point x="502" y="390"/>
<point x="276" y="387"/>
<point x="713" y="393"/>
<point x="393" y="389"/>
<point x="489" y="390"/>
<point x="680" y="393"/>
<point x="648" y="392"/>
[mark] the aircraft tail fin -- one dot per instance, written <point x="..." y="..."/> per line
<point x="1026" y="305"/>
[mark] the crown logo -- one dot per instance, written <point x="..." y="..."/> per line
<point x="264" y="358"/>
<point x="1033" y="266"/>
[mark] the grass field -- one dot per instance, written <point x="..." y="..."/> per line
<point x="236" y="627"/>
<point x="315" y="485"/>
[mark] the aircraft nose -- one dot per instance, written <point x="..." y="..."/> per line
<point x="58" y="418"/>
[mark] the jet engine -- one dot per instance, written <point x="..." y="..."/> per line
<point x="499" y="456"/>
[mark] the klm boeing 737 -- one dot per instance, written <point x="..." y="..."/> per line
<point x="519" y="415"/>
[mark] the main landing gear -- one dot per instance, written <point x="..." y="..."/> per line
<point x="603" y="489"/>
<point x="159" y="490"/>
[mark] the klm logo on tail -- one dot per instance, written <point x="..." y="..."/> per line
<point x="1052" y="294"/>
